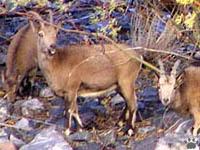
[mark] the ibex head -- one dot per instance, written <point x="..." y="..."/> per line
<point x="47" y="32"/>
<point x="168" y="83"/>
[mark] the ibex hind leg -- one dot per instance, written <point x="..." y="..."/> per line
<point x="73" y="107"/>
<point x="196" y="127"/>
<point x="127" y="91"/>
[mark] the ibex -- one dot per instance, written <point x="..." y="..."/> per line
<point x="88" y="70"/>
<point x="22" y="53"/>
<point x="181" y="91"/>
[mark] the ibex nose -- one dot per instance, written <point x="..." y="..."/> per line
<point x="53" y="46"/>
<point x="166" y="100"/>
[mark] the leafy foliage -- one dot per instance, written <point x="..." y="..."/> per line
<point x="191" y="19"/>
<point x="104" y="14"/>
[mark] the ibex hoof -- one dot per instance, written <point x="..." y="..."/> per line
<point x="195" y="131"/>
<point x="67" y="132"/>
<point x="130" y="132"/>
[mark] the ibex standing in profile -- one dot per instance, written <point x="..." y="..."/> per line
<point x="84" y="70"/>
<point x="182" y="91"/>
<point x="22" y="53"/>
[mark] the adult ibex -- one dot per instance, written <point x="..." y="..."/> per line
<point x="22" y="53"/>
<point x="88" y="70"/>
<point x="182" y="91"/>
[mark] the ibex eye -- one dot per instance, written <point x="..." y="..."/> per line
<point x="41" y="33"/>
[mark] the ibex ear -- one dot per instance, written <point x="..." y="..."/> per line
<point x="32" y="26"/>
<point x="58" y="26"/>
<point x="36" y="25"/>
<point x="35" y="20"/>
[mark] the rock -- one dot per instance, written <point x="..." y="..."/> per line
<point x="121" y="147"/>
<point x="88" y="118"/>
<point x="89" y="146"/>
<point x="56" y="112"/>
<point x="18" y="142"/>
<point x="116" y="100"/>
<point x="179" y="137"/>
<point x="2" y="58"/>
<point x="58" y="102"/>
<point x="196" y="55"/>
<point x="108" y="137"/>
<point x="24" y="124"/>
<point x="31" y="107"/>
<point x="141" y="105"/>
<point x="59" y="122"/>
<point x="7" y="146"/>
<point x="46" y="93"/>
<point x="18" y="106"/>
<point x="146" y="144"/>
<point x="172" y="141"/>
<point x="4" y="135"/>
<point x="80" y="136"/>
<point x="149" y="94"/>
<point x="48" y="139"/>
<point x="95" y="106"/>
<point x="5" y="108"/>
<point x="146" y="129"/>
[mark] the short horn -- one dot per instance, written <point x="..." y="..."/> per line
<point x="174" y="68"/>
<point x="36" y="16"/>
<point x="161" y="65"/>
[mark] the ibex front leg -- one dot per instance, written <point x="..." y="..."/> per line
<point x="73" y="107"/>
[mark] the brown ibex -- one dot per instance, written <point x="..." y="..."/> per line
<point x="181" y="91"/>
<point x="88" y="70"/>
<point x="22" y="53"/>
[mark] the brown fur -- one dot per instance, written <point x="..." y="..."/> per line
<point x="84" y="69"/>
<point x="188" y="95"/>
<point x="181" y="90"/>
<point x="22" y="56"/>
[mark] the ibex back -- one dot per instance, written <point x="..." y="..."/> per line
<point x="22" y="54"/>
<point x="182" y="91"/>
<point x="89" y="70"/>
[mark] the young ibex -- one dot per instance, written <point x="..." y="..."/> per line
<point x="88" y="70"/>
<point x="182" y="91"/>
<point x="22" y="53"/>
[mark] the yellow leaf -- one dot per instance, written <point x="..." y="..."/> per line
<point x="178" y="19"/>
<point x="185" y="2"/>
<point x="190" y="20"/>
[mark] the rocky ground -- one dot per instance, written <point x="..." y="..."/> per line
<point x="38" y="122"/>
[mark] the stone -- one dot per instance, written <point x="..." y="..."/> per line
<point x="147" y="129"/>
<point x="48" y="139"/>
<point x="80" y="136"/>
<point x="24" y="124"/>
<point x="108" y="137"/>
<point x="5" y="108"/>
<point x="46" y="93"/>
<point x="31" y="107"/>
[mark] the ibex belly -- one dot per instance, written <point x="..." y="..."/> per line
<point x="98" y="73"/>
